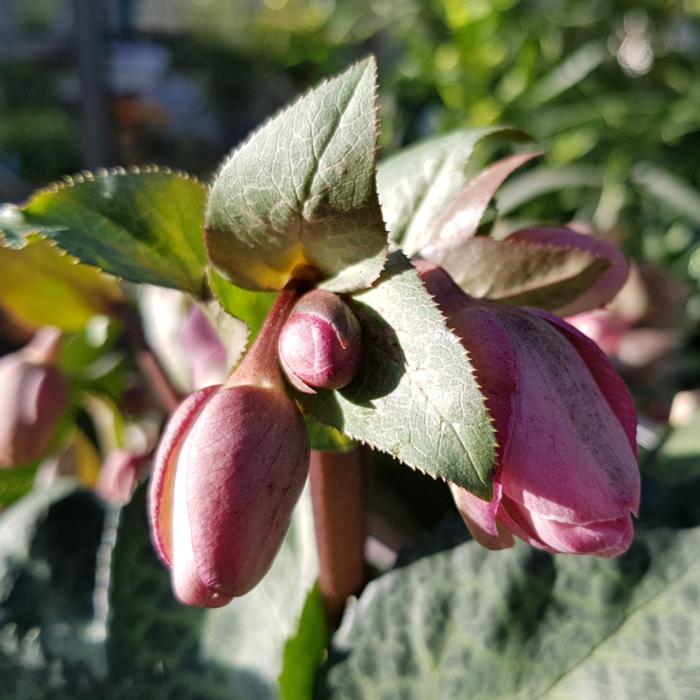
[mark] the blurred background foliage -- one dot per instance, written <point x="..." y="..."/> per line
<point x="607" y="88"/>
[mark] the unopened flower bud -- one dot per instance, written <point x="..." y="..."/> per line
<point x="230" y="467"/>
<point x="320" y="345"/>
<point x="33" y="397"/>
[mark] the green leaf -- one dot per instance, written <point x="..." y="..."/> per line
<point x="416" y="184"/>
<point x="250" y="307"/>
<point x="41" y="285"/>
<point x="678" y="458"/>
<point x="323" y="437"/>
<point x="523" y="274"/>
<point x="15" y="483"/>
<point x="415" y="395"/>
<point x="143" y="226"/>
<point x="302" y="192"/>
<point x="460" y="220"/>
<point x="304" y="652"/>
<point x="577" y="66"/>
<point x="520" y="624"/>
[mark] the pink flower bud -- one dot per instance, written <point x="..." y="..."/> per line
<point x="566" y="477"/>
<point x="320" y="345"/>
<point x="230" y="466"/>
<point x="33" y="397"/>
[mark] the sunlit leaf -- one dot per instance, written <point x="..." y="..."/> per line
<point x="41" y="285"/>
<point x="461" y="218"/>
<point x="416" y="184"/>
<point x="415" y="395"/>
<point x="250" y="307"/>
<point x="144" y="226"/>
<point x="299" y="196"/>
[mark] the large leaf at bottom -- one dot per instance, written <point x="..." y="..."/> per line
<point x="48" y="551"/>
<point x="415" y="395"/>
<point x="142" y="226"/>
<point x="521" y="625"/>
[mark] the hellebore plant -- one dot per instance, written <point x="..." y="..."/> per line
<point x="399" y="323"/>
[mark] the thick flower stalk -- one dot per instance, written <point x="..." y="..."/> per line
<point x="229" y="469"/>
<point x="33" y="398"/>
<point x="566" y="478"/>
<point x="320" y="344"/>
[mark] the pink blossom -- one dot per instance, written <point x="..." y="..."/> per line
<point x="566" y="478"/>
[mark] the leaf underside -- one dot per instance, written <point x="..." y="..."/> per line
<point x="301" y="193"/>
<point x="142" y="226"/>
<point x="523" y="274"/>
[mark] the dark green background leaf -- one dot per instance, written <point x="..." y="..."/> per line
<point x="521" y="624"/>
<point x="678" y="458"/>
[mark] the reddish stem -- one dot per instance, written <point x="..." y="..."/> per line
<point x="337" y="493"/>
<point x="260" y="365"/>
<point x="158" y="381"/>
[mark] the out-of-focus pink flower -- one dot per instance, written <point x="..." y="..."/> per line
<point x="184" y="339"/>
<point x="120" y="474"/>
<point x="33" y="397"/>
<point x="206" y="353"/>
<point x="566" y="478"/>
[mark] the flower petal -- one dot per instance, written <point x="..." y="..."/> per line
<point x="606" y="538"/>
<point x="567" y="456"/>
<point x="160" y="500"/>
<point x="480" y="517"/>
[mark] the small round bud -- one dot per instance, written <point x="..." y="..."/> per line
<point x="320" y="345"/>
